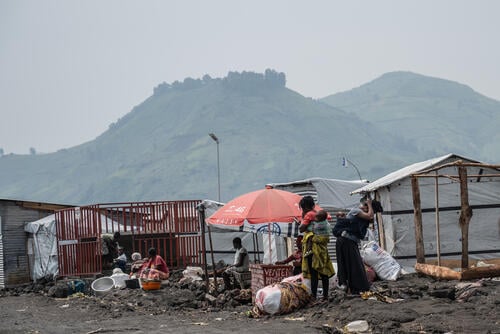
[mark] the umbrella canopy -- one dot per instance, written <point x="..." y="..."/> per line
<point x="263" y="211"/>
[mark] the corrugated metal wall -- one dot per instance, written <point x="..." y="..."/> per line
<point x="2" y="278"/>
<point x="14" y="263"/>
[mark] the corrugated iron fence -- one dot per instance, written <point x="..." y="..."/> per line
<point x="172" y="227"/>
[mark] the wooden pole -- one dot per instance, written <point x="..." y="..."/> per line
<point x="270" y="246"/>
<point x="438" y="237"/>
<point x="465" y="215"/>
<point x="258" y="250"/>
<point x="201" y="209"/>
<point x="417" y="218"/>
<point x="212" y="255"/>
<point x="380" y="223"/>
<point x="253" y="243"/>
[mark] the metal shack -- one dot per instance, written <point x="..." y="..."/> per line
<point x="14" y="262"/>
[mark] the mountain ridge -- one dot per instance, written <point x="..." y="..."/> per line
<point x="268" y="133"/>
<point x="436" y="107"/>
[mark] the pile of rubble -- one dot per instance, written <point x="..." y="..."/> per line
<point x="176" y="293"/>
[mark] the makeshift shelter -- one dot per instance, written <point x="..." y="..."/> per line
<point x="42" y="245"/>
<point x="14" y="257"/>
<point x="440" y="208"/>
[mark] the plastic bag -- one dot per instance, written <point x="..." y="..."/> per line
<point x="333" y="283"/>
<point x="119" y="280"/>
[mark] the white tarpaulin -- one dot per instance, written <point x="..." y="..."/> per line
<point x="395" y="194"/>
<point x="330" y="194"/>
<point x="44" y="247"/>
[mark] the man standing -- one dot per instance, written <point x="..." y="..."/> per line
<point x="240" y="263"/>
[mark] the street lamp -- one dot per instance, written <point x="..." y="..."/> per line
<point x="214" y="137"/>
<point x="344" y="163"/>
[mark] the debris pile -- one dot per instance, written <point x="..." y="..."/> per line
<point x="175" y="294"/>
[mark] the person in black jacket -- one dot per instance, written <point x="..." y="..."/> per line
<point x="349" y="231"/>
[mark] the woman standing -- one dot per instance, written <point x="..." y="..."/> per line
<point x="349" y="231"/>
<point x="318" y="264"/>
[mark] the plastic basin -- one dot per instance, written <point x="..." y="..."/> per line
<point x="151" y="285"/>
<point x="102" y="286"/>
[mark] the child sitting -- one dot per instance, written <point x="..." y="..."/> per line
<point x="320" y="227"/>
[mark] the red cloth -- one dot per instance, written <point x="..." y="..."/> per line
<point x="370" y="274"/>
<point x="156" y="263"/>
<point x="309" y="217"/>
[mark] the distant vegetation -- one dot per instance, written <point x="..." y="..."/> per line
<point x="268" y="133"/>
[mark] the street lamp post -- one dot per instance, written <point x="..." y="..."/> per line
<point x="214" y="137"/>
<point x="216" y="140"/>
<point x="344" y="163"/>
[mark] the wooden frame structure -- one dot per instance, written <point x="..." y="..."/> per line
<point x="465" y="216"/>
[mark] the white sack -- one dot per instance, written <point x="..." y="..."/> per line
<point x="119" y="280"/>
<point x="385" y="266"/>
<point x="194" y="273"/>
<point x="268" y="299"/>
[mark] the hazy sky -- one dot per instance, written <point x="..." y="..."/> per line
<point x="68" y="69"/>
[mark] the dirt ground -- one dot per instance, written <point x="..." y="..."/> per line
<point x="412" y="304"/>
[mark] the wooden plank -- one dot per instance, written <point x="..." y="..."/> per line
<point x="437" y="271"/>
<point x="446" y="273"/>
<point x="481" y="272"/>
<point x="42" y="206"/>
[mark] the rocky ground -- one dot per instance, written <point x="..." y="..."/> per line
<point x="412" y="304"/>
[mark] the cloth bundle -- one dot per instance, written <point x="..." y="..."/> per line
<point x="281" y="298"/>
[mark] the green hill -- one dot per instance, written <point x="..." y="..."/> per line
<point x="268" y="133"/>
<point x="435" y="115"/>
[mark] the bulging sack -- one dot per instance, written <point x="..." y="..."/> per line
<point x="281" y="298"/>
<point x="268" y="299"/>
<point x="385" y="266"/>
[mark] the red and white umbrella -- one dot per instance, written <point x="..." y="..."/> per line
<point x="268" y="210"/>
